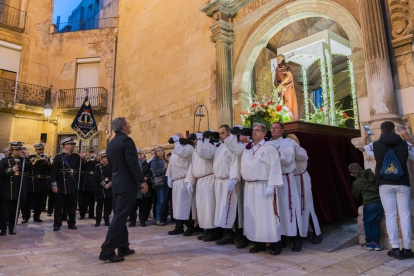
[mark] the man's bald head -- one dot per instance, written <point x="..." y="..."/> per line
<point x="179" y="134"/>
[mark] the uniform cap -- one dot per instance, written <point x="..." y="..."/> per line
<point x="102" y="153"/>
<point x="39" y="146"/>
<point x="68" y="140"/>
<point x="16" y="145"/>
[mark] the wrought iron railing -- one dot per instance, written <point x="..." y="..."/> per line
<point x="23" y="93"/>
<point x="12" y="17"/>
<point x="84" y="25"/>
<point x="71" y="98"/>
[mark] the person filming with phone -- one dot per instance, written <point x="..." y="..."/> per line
<point x="391" y="153"/>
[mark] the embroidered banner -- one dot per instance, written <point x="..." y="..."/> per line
<point x="84" y="123"/>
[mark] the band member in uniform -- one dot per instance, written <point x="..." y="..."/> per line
<point x="64" y="178"/>
<point x="36" y="183"/>
<point x="103" y="191"/>
<point x="11" y="173"/>
<point x="87" y="184"/>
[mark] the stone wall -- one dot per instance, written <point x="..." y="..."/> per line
<point x="164" y="68"/>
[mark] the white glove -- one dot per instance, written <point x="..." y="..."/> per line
<point x="231" y="185"/>
<point x="199" y="135"/>
<point x="190" y="188"/>
<point x="170" y="182"/>
<point x="269" y="191"/>
<point x="229" y="138"/>
<point x="239" y="126"/>
<point x="175" y="138"/>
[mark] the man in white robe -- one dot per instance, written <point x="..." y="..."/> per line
<point x="288" y="194"/>
<point x="304" y="186"/>
<point x="228" y="194"/>
<point x="184" y="209"/>
<point x="201" y="172"/>
<point x="260" y="167"/>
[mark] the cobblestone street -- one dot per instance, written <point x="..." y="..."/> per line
<point x="37" y="250"/>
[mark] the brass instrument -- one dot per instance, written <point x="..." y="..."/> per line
<point x="90" y="158"/>
<point x="42" y="156"/>
<point x="16" y="162"/>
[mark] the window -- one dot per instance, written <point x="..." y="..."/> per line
<point x="43" y="138"/>
<point x="9" y="57"/>
<point x="88" y="76"/>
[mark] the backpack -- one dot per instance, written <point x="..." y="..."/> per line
<point x="391" y="168"/>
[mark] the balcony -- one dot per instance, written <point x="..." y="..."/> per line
<point x="84" y="25"/>
<point x="12" y="18"/>
<point x="23" y="93"/>
<point x="72" y="99"/>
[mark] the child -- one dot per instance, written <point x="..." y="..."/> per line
<point x="364" y="187"/>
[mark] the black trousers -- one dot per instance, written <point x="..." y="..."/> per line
<point x="143" y="204"/>
<point x="50" y="201"/>
<point x="106" y="205"/>
<point x="33" y="200"/>
<point x="68" y="201"/>
<point x="117" y="236"/>
<point x="7" y="214"/>
<point x="179" y="224"/>
<point x="167" y="206"/>
<point x="86" y="200"/>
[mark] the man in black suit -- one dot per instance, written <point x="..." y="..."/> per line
<point x="126" y="179"/>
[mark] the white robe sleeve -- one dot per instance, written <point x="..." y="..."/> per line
<point x="287" y="155"/>
<point x="168" y="173"/>
<point x="190" y="177"/>
<point x="233" y="146"/>
<point x="300" y="154"/>
<point x="183" y="151"/>
<point x="275" y="175"/>
<point x="369" y="149"/>
<point x="207" y="150"/>
<point x="235" y="167"/>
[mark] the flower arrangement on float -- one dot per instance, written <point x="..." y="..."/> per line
<point x="318" y="117"/>
<point x="266" y="112"/>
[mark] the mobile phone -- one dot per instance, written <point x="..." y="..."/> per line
<point x="368" y="130"/>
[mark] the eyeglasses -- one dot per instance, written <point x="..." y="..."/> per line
<point x="257" y="130"/>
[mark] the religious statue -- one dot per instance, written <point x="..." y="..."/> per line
<point x="285" y="86"/>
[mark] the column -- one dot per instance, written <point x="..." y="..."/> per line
<point x="353" y="93"/>
<point x="305" y="93"/>
<point x="377" y="62"/>
<point x="324" y="90"/>
<point x="223" y="37"/>
<point x="328" y="56"/>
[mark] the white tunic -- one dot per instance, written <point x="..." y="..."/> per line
<point x="201" y="172"/>
<point x="288" y="194"/>
<point x="304" y="185"/>
<point x="225" y="164"/>
<point x="177" y="169"/>
<point x="260" y="167"/>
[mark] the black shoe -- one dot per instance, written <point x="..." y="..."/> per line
<point x="143" y="224"/>
<point x="407" y="253"/>
<point x="242" y="243"/>
<point x="37" y="220"/>
<point x="275" y="248"/>
<point x="123" y="253"/>
<point x="25" y="221"/>
<point x="11" y="232"/>
<point x="107" y="223"/>
<point x="3" y="233"/>
<point x="56" y="228"/>
<point x="201" y="237"/>
<point x="188" y="232"/>
<point x="396" y="253"/>
<point x="132" y="224"/>
<point x="73" y="227"/>
<point x="212" y="235"/>
<point x="226" y="239"/>
<point x="81" y="217"/>
<point x="297" y="244"/>
<point x="97" y="224"/>
<point x="258" y="246"/>
<point x="317" y="239"/>
<point x="176" y="232"/>
<point x="112" y="259"/>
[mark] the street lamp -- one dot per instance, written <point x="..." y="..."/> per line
<point x="47" y="111"/>
<point x="199" y="112"/>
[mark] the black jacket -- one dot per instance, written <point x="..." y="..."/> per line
<point x="39" y="174"/>
<point x="66" y="184"/>
<point x="88" y="175"/>
<point x="10" y="183"/>
<point x="102" y="173"/>
<point x="123" y="160"/>
<point x="400" y="147"/>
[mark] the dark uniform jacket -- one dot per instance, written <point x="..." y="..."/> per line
<point x="146" y="171"/>
<point x="102" y="174"/>
<point x="88" y="175"/>
<point x="123" y="160"/>
<point x="38" y="175"/>
<point x="60" y="173"/>
<point x="10" y="183"/>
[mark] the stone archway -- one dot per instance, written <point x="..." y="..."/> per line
<point x="275" y="22"/>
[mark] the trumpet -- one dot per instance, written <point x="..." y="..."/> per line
<point x="93" y="157"/>
<point x="43" y="156"/>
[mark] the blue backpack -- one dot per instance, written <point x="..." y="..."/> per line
<point x="391" y="168"/>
